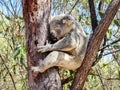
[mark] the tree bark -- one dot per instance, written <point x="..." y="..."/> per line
<point x="94" y="44"/>
<point x="36" y="15"/>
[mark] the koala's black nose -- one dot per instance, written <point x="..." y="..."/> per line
<point x="52" y="34"/>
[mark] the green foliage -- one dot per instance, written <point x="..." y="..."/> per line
<point x="101" y="14"/>
<point x="17" y="51"/>
<point x="7" y="17"/>
<point x="107" y="1"/>
<point x="118" y="73"/>
<point x="117" y="22"/>
<point x="12" y="49"/>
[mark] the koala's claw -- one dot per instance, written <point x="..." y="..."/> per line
<point x="41" y="49"/>
<point x="44" y="48"/>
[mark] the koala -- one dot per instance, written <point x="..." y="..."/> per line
<point x="69" y="49"/>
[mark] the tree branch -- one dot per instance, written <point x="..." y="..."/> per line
<point x="99" y="75"/>
<point x="73" y="6"/>
<point x="110" y="44"/>
<point x="94" y="23"/>
<point x="93" y="15"/>
<point x="112" y="52"/>
<point x="8" y="72"/>
<point x="104" y="77"/>
<point x="67" y="80"/>
<point x="94" y="44"/>
<point x="100" y="4"/>
<point x="101" y="53"/>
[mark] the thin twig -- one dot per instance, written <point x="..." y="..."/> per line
<point x="102" y="50"/>
<point x="104" y="77"/>
<point x="8" y="71"/>
<point x="5" y="4"/>
<point x="100" y="4"/>
<point x="99" y="74"/>
<point x="67" y="80"/>
<point x="110" y="44"/>
<point x="73" y="6"/>
<point x="14" y="12"/>
<point x="112" y="52"/>
<point x="112" y="78"/>
<point x="116" y="59"/>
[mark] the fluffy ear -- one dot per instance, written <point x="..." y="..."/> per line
<point x="67" y="22"/>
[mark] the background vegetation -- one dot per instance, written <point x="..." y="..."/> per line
<point x="105" y="74"/>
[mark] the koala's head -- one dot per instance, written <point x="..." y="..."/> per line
<point x="61" y="25"/>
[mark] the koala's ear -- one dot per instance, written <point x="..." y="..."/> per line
<point x="67" y="22"/>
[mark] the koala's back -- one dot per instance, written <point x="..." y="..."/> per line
<point x="82" y="38"/>
<point x="81" y="42"/>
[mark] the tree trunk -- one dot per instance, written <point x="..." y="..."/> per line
<point x="94" y="44"/>
<point x="36" y="15"/>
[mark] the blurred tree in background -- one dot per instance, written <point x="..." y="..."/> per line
<point x="105" y="73"/>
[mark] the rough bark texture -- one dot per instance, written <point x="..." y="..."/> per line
<point x="36" y="15"/>
<point x="94" y="44"/>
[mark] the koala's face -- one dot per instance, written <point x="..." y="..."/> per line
<point x="60" y="26"/>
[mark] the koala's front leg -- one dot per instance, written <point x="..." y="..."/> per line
<point x="65" y="44"/>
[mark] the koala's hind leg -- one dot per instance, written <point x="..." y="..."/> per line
<point x="57" y="58"/>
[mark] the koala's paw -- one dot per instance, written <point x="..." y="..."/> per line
<point x="42" y="49"/>
<point x="35" y="69"/>
<point x="38" y="69"/>
<point x="45" y="48"/>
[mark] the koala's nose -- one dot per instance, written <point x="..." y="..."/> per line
<point x="53" y="34"/>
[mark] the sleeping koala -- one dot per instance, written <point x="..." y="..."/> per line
<point x="69" y="49"/>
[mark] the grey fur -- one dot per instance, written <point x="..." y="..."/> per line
<point x="68" y="52"/>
